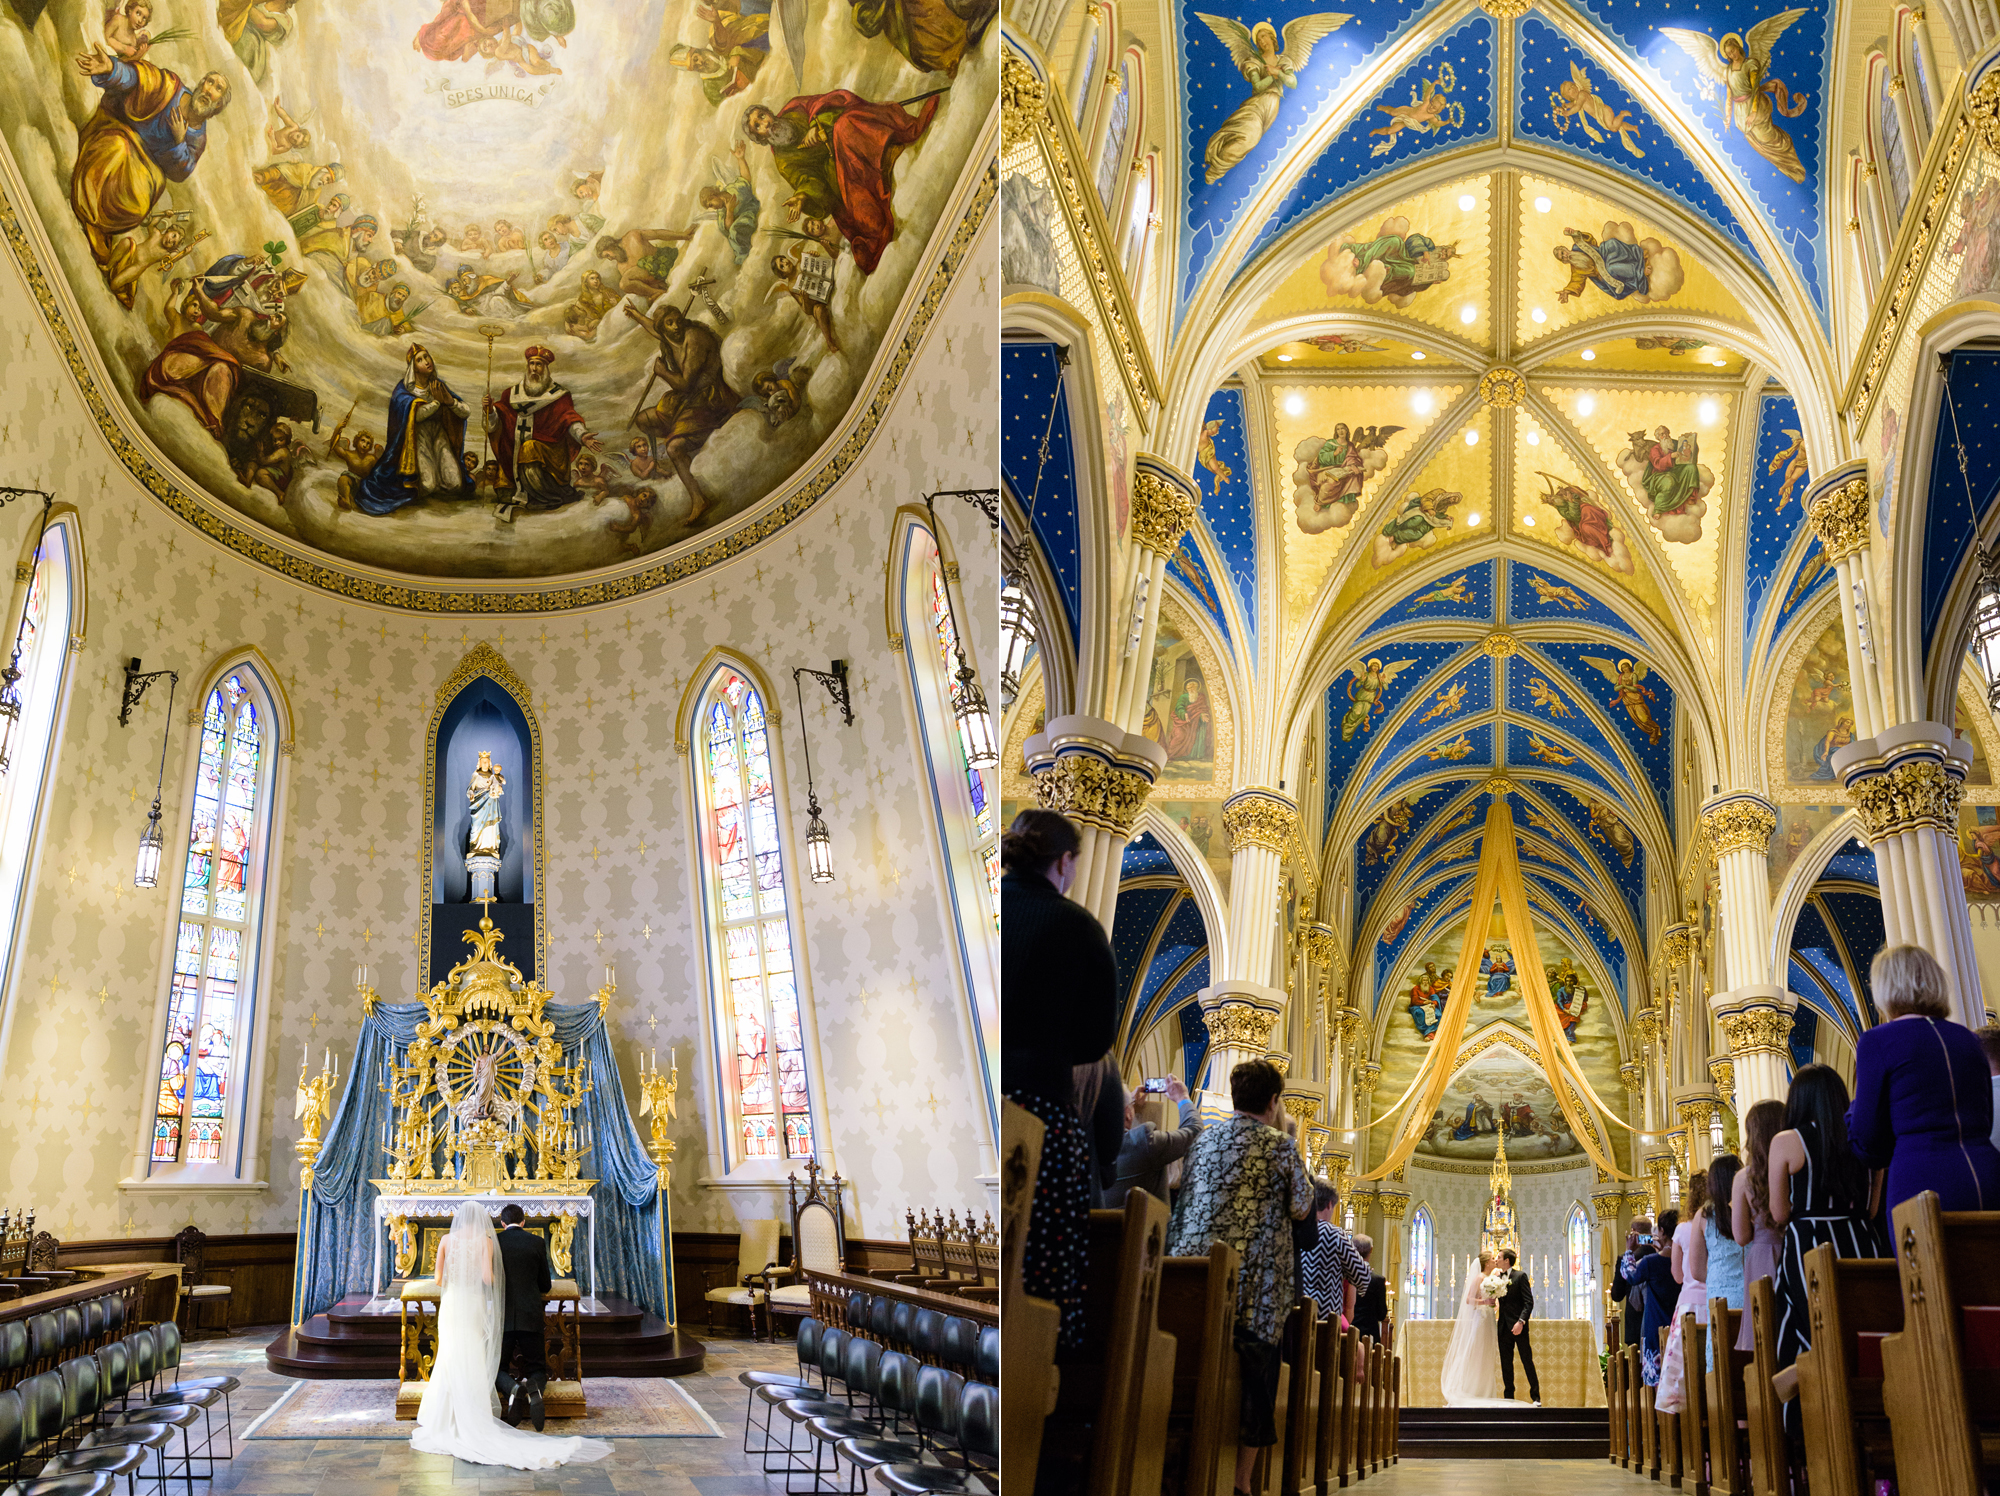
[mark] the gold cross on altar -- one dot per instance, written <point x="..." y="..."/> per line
<point x="485" y="907"/>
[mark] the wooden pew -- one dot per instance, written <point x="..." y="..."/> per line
<point x="1364" y="1447"/>
<point x="1614" y="1403"/>
<point x="1635" y="1436"/>
<point x="1326" y="1435"/>
<point x="1197" y="1307"/>
<point x="1770" y="1466"/>
<point x="1396" y="1410"/>
<point x="1942" y="1368"/>
<point x="1134" y="1360"/>
<point x="1030" y="1325"/>
<point x="1667" y="1428"/>
<point x="1299" y="1423"/>
<point x="1728" y="1467"/>
<point x="1694" y="1444"/>
<point x="1385" y="1405"/>
<point x="1649" y="1422"/>
<point x="1841" y="1411"/>
<point x="1347" y="1448"/>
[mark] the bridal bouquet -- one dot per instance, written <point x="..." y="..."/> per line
<point x="1493" y="1285"/>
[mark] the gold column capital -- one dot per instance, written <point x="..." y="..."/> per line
<point x="1722" y="1070"/>
<point x="1982" y="102"/>
<point x="1914" y="793"/>
<point x="1367" y="1076"/>
<point x="1319" y="943"/>
<point x="1164" y="504"/>
<point x="1738" y="823"/>
<point x="1240" y="1025"/>
<point x="1093" y="792"/>
<point x="1260" y="818"/>
<point x="1839" y="514"/>
<point x="1393" y="1202"/>
<point x="1757" y="1031"/>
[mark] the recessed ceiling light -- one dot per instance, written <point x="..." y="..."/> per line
<point x="1417" y="354"/>
<point x="1542" y="205"/>
<point x="1472" y="438"/>
<point x="1468" y="313"/>
<point x="1585" y="406"/>
<point x="1295" y="405"/>
<point x="1421" y="402"/>
<point x="1534" y="438"/>
<point x="1539" y="315"/>
<point x="1465" y="202"/>
<point x="1706" y="412"/>
<point x="1528" y="519"/>
<point x="1472" y="518"/>
<point x="1284" y="358"/>
<point x="1589" y="354"/>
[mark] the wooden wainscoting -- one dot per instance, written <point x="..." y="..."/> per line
<point x="258" y="1266"/>
<point x="696" y="1252"/>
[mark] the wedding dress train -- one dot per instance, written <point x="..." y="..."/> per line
<point x="1471" y="1374"/>
<point x="456" y="1415"/>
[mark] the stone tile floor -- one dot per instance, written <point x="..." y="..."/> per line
<point x="353" y="1467"/>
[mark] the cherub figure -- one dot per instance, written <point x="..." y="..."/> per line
<point x="1545" y="696"/>
<point x="1577" y="100"/>
<point x="507" y="50"/>
<point x="1430" y="114"/>
<point x="1547" y="752"/>
<point x="1792" y="459"/>
<point x="282" y="134"/>
<point x="1445" y="592"/>
<point x="1557" y="594"/>
<point x="1445" y="703"/>
<point x="779" y="391"/>
<point x="506" y="237"/>
<point x="165" y="244"/>
<point x="1205" y="454"/>
<point x="125" y="33"/>
<point x="808" y="280"/>
<point x="358" y="454"/>
<point x="271" y="464"/>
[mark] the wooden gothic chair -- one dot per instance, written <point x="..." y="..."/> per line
<point x="197" y="1291"/>
<point x="750" y="1282"/>
<point x="819" y="1238"/>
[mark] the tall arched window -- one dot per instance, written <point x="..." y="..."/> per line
<point x="753" y="952"/>
<point x="52" y="612"/>
<point x="1423" y="1265"/>
<point x="1108" y="172"/>
<point x="1889" y="144"/>
<point x="205" y="1069"/>
<point x="963" y="813"/>
<point x="1582" y="1272"/>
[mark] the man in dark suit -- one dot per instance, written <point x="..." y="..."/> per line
<point x="1371" y="1309"/>
<point x="1638" y="1246"/>
<point x="1516" y="1305"/>
<point x="524" y="1367"/>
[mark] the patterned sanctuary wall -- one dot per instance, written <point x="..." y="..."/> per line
<point x="898" y="1098"/>
<point x="1457" y="1197"/>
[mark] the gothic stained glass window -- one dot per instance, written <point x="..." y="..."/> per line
<point x="1423" y="1263"/>
<point x="1895" y="169"/>
<point x="1579" y="1264"/>
<point x="206" y="999"/>
<point x="1114" y="139"/>
<point x="753" y="925"/>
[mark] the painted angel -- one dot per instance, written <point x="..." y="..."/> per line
<point x="1557" y="596"/>
<point x="1371" y="682"/>
<point x="1627" y="679"/>
<point x="1578" y="100"/>
<point x="1205" y="454"/>
<point x="1430" y="114"/>
<point x="1445" y="703"/>
<point x="1792" y="459"/>
<point x="1547" y="752"/>
<point x="1739" y="66"/>
<point x="1269" y="70"/>
<point x="1545" y="696"/>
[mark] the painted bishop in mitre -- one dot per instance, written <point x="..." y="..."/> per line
<point x="483" y="795"/>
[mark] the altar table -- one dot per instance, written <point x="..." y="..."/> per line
<point x="1565" y="1358"/>
<point x="392" y="1212"/>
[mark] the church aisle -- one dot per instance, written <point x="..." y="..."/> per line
<point x="361" y="1467"/>
<point x="1499" y="1478"/>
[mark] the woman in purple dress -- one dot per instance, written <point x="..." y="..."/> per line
<point x="1923" y="1100"/>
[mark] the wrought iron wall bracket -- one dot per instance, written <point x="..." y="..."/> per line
<point x="835" y="681"/>
<point x="135" y="687"/>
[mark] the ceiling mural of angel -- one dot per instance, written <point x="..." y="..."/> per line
<point x="1371" y="680"/>
<point x="1629" y="690"/>
<point x="1432" y="113"/>
<point x="1577" y="101"/>
<point x="1270" y="66"/>
<point x="1738" y="67"/>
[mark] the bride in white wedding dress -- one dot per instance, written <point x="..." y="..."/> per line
<point x="456" y="1415"/>
<point x="1471" y="1375"/>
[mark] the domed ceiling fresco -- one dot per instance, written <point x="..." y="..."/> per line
<point x="492" y="288"/>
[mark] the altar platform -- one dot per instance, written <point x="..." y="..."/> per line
<point x="356" y="1340"/>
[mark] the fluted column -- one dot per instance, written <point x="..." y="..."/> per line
<point x="1261" y="824"/>
<point x="1098" y="776"/>
<point x="1920" y="34"/>
<point x="1080" y="85"/>
<point x="1913" y="137"/>
<point x="1164" y="504"/>
<point x="1739" y="827"/>
<point x="1906" y="782"/>
<point x="1839" y="507"/>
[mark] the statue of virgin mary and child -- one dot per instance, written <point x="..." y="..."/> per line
<point x="482" y="848"/>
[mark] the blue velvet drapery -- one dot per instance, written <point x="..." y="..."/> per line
<point x="632" y="1225"/>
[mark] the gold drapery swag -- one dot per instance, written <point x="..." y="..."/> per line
<point x="1499" y="881"/>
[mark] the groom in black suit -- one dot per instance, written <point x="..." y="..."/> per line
<point x="1516" y="1305"/>
<point x="523" y="1349"/>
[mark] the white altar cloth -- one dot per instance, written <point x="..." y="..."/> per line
<point x="444" y="1207"/>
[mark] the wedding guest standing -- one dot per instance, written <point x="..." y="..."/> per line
<point x="1989" y="1040"/>
<point x="1819" y="1194"/>
<point x="1058" y="1009"/>
<point x="1099" y="1092"/>
<point x="1333" y="1271"/>
<point x="1718" y="1259"/>
<point x="1685" y="1265"/>
<point x="1750" y="1220"/>
<point x="1638" y="1247"/>
<point x="1371" y="1307"/>
<point x="1923" y="1096"/>
<point x="1244" y="1184"/>
<point x="1653" y="1284"/>
<point x="1149" y="1148"/>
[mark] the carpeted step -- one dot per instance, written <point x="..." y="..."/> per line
<point x="1521" y="1433"/>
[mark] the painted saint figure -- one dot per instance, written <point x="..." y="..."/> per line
<point x="1615" y="266"/>
<point x="838" y="151"/>
<point x="1364" y="693"/>
<point x="483" y="793"/>
<point x="424" y="456"/>
<point x="536" y="431"/>
<point x="149" y="129"/>
<point x="1627" y="679"/>
<point x="739" y="45"/>
<point x="1498" y="969"/>
<point x="252" y="28"/>
<point x="698" y="399"/>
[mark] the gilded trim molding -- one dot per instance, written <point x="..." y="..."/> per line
<point x="209" y="517"/>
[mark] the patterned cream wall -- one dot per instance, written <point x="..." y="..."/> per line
<point x="1542" y="1204"/>
<point x="900" y="1102"/>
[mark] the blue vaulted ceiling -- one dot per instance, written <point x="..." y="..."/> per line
<point x="1777" y="508"/>
<point x="1159" y="941"/>
<point x="1229" y="497"/>
<point x="1045" y="490"/>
